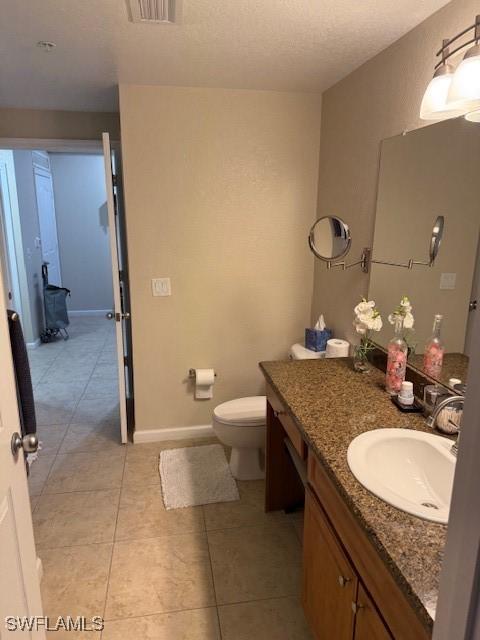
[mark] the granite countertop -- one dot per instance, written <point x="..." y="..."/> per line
<point x="331" y="404"/>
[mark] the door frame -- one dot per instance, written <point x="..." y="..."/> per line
<point x="458" y="607"/>
<point x="87" y="147"/>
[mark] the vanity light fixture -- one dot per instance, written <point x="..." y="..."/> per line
<point x="452" y="93"/>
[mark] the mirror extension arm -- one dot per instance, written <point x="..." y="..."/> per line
<point x="363" y="262"/>
<point x="409" y="265"/>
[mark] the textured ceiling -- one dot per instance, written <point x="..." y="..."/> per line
<point x="301" y="45"/>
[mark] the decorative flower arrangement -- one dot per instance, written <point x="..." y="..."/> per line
<point x="367" y="319"/>
<point x="405" y="311"/>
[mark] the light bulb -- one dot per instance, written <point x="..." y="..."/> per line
<point x="473" y="116"/>
<point x="464" y="91"/>
<point x="434" y="104"/>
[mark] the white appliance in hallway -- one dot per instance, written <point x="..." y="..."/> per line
<point x="19" y="580"/>
<point x="47" y="220"/>
<point x="119" y="315"/>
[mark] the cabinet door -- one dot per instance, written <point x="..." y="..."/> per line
<point x="368" y="623"/>
<point x="329" y="581"/>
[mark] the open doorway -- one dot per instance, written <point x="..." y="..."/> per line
<point x="55" y="232"/>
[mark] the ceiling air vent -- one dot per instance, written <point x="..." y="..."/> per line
<point x="154" y="11"/>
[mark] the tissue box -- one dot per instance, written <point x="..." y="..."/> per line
<point x="316" y="340"/>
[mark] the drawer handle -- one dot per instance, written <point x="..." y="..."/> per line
<point x="342" y="581"/>
<point x="279" y="413"/>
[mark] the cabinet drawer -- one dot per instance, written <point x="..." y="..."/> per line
<point x="288" y="424"/>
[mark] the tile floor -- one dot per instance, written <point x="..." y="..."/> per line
<point x="223" y="571"/>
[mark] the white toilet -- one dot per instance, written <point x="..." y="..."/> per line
<point x="241" y="424"/>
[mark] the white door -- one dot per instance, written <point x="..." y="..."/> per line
<point x="118" y="315"/>
<point x="19" y="583"/>
<point x="48" y="224"/>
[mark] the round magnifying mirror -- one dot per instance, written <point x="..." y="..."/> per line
<point x="437" y="234"/>
<point x="329" y="238"/>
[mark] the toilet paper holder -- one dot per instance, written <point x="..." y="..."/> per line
<point x="192" y="374"/>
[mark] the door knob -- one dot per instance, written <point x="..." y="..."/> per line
<point x="110" y="315"/>
<point x="28" y="443"/>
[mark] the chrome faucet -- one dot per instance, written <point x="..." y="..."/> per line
<point x="438" y="407"/>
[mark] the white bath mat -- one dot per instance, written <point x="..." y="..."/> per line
<point x="196" y="475"/>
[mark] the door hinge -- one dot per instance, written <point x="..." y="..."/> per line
<point x="120" y="274"/>
<point x="114" y="180"/>
<point x="125" y="361"/>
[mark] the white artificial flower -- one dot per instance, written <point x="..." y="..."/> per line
<point x="405" y="304"/>
<point x="364" y="308"/>
<point x="408" y="320"/>
<point x="360" y="327"/>
<point x="376" y="323"/>
<point x="367" y="317"/>
<point x="392" y="317"/>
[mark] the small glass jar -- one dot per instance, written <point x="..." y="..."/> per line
<point x="431" y="393"/>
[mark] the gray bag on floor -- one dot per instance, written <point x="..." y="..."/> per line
<point x="56" y="314"/>
<point x="55" y="306"/>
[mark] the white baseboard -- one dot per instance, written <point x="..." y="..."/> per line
<point x="173" y="433"/>
<point x="88" y="312"/>
<point x="39" y="569"/>
<point x="33" y="345"/>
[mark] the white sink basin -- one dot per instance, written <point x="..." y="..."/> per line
<point x="410" y="470"/>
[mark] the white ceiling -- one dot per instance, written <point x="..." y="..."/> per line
<point x="301" y="45"/>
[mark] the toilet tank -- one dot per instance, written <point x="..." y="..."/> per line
<point x="299" y="352"/>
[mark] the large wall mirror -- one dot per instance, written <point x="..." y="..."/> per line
<point x="426" y="173"/>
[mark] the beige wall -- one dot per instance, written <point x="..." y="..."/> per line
<point x="379" y="100"/>
<point x="57" y="125"/>
<point x="429" y="172"/>
<point x="220" y="189"/>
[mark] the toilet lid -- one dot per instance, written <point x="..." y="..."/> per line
<point x="244" y="411"/>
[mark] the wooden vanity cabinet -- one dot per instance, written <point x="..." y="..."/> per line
<point x="368" y="623"/>
<point x="329" y="581"/>
<point x="335" y="602"/>
<point x="348" y="591"/>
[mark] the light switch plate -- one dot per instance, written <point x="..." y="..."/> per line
<point x="161" y="287"/>
<point x="448" y="281"/>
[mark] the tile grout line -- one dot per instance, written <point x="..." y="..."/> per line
<point x="113" y="540"/>
<point x="211" y="573"/>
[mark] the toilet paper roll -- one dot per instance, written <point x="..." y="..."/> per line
<point x="337" y="348"/>
<point x="204" y="380"/>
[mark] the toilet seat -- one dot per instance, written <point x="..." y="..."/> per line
<point x="248" y="412"/>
